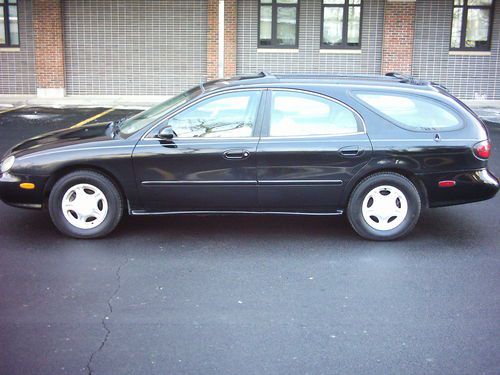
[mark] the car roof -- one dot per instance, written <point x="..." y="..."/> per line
<point x="394" y="80"/>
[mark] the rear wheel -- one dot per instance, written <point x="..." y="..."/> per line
<point x="384" y="206"/>
<point x="85" y="204"/>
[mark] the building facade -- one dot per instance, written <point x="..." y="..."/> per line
<point x="161" y="47"/>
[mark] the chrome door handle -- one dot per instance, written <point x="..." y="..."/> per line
<point x="236" y="154"/>
<point x="351" y="151"/>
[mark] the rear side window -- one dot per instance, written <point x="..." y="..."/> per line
<point x="412" y="112"/>
<point x="302" y="114"/>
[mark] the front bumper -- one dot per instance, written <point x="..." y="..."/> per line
<point x="12" y="194"/>
<point x="471" y="186"/>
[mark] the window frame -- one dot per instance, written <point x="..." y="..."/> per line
<point x="5" y="4"/>
<point x="151" y="133"/>
<point x="345" y="25"/>
<point x="463" y="27"/>
<point x="266" y="123"/>
<point x="274" y="25"/>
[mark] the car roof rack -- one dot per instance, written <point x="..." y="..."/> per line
<point x="331" y="76"/>
<point x="405" y="78"/>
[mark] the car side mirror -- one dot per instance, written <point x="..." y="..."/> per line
<point x="166" y="133"/>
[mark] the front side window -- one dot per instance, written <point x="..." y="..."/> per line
<point x="230" y="115"/>
<point x="471" y="25"/>
<point x="341" y="24"/>
<point x="412" y="112"/>
<point x="278" y="23"/>
<point x="145" y="118"/>
<point x="301" y="114"/>
<point x="9" y="24"/>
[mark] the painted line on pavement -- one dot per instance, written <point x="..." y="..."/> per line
<point x="12" y="109"/>
<point x="81" y="123"/>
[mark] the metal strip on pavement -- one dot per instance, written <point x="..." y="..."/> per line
<point x="81" y="123"/>
<point x="12" y="109"/>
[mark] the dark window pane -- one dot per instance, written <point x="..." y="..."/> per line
<point x="456" y="28"/>
<point x="2" y="26"/>
<point x="14" y="25"/>
<point x="353" y="26"/>
<point x="477" y="29"/>
<point x="332" y="25"/>
<point x="286" y="26"/>
<point x="265" y="25"/>
<point x="479" y="2"/>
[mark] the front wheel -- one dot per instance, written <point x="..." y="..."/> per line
<point x="85" y="204"/>
<point x="384" y="206"/>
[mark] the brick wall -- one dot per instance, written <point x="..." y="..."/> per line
<point x="399" y="30"/>
<point x="17" y="66"/>
<point x="230" y="37"/>
<point x="212" y="39"/>
<point x="49" y="49"/>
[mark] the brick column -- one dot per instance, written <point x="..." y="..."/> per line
<point x="230" y="23"/>
<point x="230" y="33"/>
<point x="399" y="30"/>
<point x="49" y="47"/>
<point x="212" y="39"/>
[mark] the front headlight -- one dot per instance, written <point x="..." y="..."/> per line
<point x="7" y="164"/>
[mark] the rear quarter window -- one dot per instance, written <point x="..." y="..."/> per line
<point x="412" y="112"/>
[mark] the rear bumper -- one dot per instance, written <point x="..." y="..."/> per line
<point x="471" y="186"/>
<point x="12" y="194"/>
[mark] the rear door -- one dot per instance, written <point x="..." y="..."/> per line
<point x="311" y="146"/>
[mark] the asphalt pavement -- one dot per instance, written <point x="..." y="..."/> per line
<point x="244" y="294"/>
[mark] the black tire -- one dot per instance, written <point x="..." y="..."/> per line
<point x="112" y="194"/>
<point x="355" y="214"/>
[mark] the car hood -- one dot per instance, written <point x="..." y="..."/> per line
<point x="63" y="138"/>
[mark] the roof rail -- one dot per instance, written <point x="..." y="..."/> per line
<point x="328" y="75"/>
<point x="405" y="78"/>
<point x="265" y="73"/>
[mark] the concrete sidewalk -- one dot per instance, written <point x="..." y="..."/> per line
<point x="488" y="110"/>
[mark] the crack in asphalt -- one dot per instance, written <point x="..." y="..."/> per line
<point x="107" y="317"/>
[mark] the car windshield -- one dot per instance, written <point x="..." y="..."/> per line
<point x="142" y="119"/>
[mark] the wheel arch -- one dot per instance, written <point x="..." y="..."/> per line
<point x="63" y="171"/>
<point x="422" y="191"/>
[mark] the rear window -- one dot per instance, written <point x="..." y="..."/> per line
<point x="412" y="112"/>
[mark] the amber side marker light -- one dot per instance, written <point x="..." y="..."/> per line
<point x="447" y="183"/>
<point x="27" y="186"/>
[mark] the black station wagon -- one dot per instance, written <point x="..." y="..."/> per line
<point x="378" y="148"/>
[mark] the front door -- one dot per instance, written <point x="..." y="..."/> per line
<point x="210" y="164"/>
<point x="310" y="149"/>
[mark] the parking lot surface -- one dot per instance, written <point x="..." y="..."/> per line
<point x="244" y="294"/>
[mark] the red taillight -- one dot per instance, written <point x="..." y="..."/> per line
<point x="482" y="149"/>
<point x="447" y="183"/>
